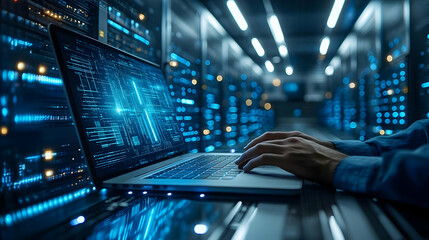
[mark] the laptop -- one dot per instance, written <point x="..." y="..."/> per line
<point x="127" y="127"/>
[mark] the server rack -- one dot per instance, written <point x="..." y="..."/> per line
<point x="212" y="81"/>
<point x="231" y="99"/>
<point x="375" y="83"/>
<point x="183" y="68"/>
<point x="419" y="58"/>
<point x="40" y="153"/>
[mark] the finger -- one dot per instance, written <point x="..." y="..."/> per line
<point x="264" y="159"/>
<point x="265" y="137"/>
<point x="258" y="150"/>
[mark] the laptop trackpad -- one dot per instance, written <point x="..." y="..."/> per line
<point x="272" y="171"/>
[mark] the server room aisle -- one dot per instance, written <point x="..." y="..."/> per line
<point x="310" y="127"/>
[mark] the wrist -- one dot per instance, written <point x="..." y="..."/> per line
<point x="332" y="166"/>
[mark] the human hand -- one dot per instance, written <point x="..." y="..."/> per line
<point x="267" y="136"/>
<point x="304" y="158"/>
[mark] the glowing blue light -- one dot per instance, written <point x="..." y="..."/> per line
<point x="180" y="59"/>
<point x="207" y="62"/>
<point x="169" y="194"/>
<point x="209" y="77"/>
<point x="425" y="84"/>
<point x="27" y="118"/>
<point x="4" y="112"/>
<point x="346" y="80"/>
<point x="144" y="192"/>
<point x="8" y="220"/>
<point x="291" y="87"/>
<point x="29" y="77"/>
<point x="200" y="229"/>
<point x="209" y="148"/>
<point x="117" y="26"/>
<point x="14" y="42"/>
<point x="232" y="87"/>
<point x="388" y="132"/>
<point x="186" y="101"/>
<point x="214" y="106"/>
<point x="130" y="192"/>
<point x="77" y="221"/>
<point x="353" y="125"/>
<point x="297" y="113"/>
<point x="141" y="39"/>
<point x="202" y="195"/>
<point x="243" y="76"/>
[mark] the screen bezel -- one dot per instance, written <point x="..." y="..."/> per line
<point x="54" y="30"/>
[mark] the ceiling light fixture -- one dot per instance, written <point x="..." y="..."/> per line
<point x="324" y="45"/>
<point x="283" y="51"/>
<point x="238" y="17"/>
<point x="329" y="71"/>
<point x="276" y="29"/>
<point x="289" y="70"/>
<point x="258" y="47"/>
<point x="269" y="66"/>
<point x="335" y="13"/>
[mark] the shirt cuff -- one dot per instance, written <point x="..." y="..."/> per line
<point x="355" y="172"/>
<point x="354" y="147"/>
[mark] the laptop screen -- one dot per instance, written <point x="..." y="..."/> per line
<point x="121" y="104"/>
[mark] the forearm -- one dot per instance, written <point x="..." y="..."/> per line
<point x="411" y="138"/>
<point x="399" y="175"/>
<point x="354" y="148"/>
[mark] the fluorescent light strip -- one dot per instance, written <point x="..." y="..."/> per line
<point x="335" y="13"/>
<point x="269" y="66"/>
<point x="283" y="51"/>
<point x="238" y="17"/>
<point x="324" y="45"/>
<point x="258" y="47"/>
<point x="276" y="29"/>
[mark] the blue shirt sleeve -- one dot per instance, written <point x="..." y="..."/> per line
<point x="399" y="175"/>
<point x="411" y="138"/>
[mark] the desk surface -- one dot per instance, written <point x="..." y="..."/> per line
<point x="317" y="213"/>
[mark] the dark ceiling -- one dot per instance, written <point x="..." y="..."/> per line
<point x="303" y="23"/>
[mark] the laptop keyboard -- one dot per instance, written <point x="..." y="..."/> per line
<point x="212" y="167"/>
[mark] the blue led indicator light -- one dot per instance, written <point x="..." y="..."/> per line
<point x="180" y="59"/>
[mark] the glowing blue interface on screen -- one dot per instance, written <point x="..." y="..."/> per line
<point x="123" y="104"/>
